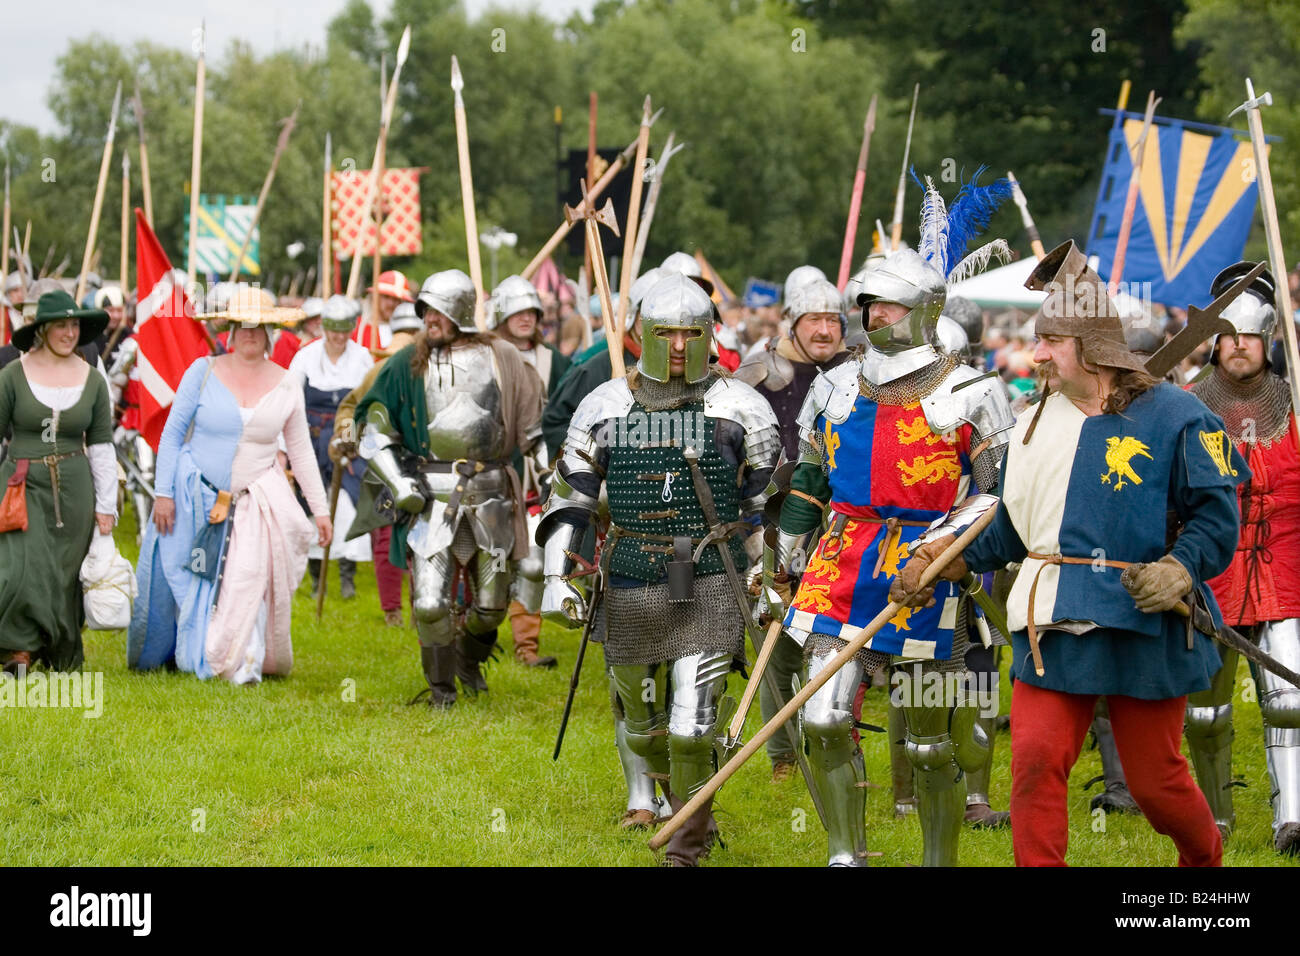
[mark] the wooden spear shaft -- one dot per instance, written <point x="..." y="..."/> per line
<point x="4" y="264"/>
<point x="1130" y="201"/>
<point x="1031" y="230"/>
<point x="651" y="202"/>
<point x="144" y="159"/>
<point x="281" y="145"/>
<point x="376" y="262"/>
<point x="126" y="217"/>
<point x="467" y="199"/>
<point x="1276" y="259"/>
<point x="196" y="163"/>
<point x="896" y="237"/>
<point x="633" y="215"/>
<point x="855" y="201"/>
<point x="326" y="252"/>
<point x="928" y="577"/>
<point x="562" y="230"/>
<point x="99" y="197"/>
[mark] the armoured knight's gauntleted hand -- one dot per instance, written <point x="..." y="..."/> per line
<point x="909" y="579"/>
<point x="774" y="598"/>
<point x="1158" y="586"/>
<point x="562" y="603"/>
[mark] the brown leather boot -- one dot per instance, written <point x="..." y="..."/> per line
<point x="527" y="628"/>
<point x="693" y="840"/>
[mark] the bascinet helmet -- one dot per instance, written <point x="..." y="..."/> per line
<point x="675" y="302"/>
<point x="1251" y="313"/>
<point x="339" y="314"/>
<point x="514" y="294"/>
<point x="452" y="294"/>
<point x="904" y="277"/>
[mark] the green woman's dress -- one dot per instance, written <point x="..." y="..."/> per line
<point x="40" y="593"/>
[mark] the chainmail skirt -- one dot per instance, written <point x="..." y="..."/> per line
<point x="640" y="626"/>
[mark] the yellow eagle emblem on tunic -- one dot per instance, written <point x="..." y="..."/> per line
<point x="1119" y="455"/>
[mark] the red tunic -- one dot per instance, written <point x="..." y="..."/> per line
<point x="286" y="346"/>
<point x="1261" y="583"/>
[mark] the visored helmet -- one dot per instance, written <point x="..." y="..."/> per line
<point x="339" y="314"/>
<point x="452" y="294"/>
<point x="907" y="279"/>
<point x="514" y="294"/>
<point x="675" y="302"/>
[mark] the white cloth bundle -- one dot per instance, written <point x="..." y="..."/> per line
<point x="109" y="585"/>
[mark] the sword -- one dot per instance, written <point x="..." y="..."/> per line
<point x="1201" y="324"/>
<point x="1229" y="637"/>
<point x="705" y="495"/>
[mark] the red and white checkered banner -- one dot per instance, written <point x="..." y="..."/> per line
<point x="351" y="224"/>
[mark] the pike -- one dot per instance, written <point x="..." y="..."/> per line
<point x="633" y="215"/>
<point x="45" y="263"/>
<point x="593" y="220"/>
<point x="138" y="107"/>
<point x="126" y="218"/>
<point x="196" y="159"/>
<point x="1030" y="229"/>
<point x="19" y="258"/>
<point x="589" y="198"/>
<point x="381" y="144"/>
<point x="896" y="235"/>
<point x="281" y="145"/>
<point x="326" y="253"/>
<point x="1137" y="156"/>
<point x="1271" y="232"/>
<point x="704" y="494"/>
<point x="4" y="262"/>
<point x="656" y="177"/>
<point x="855" y="201"/>
<point x="467" y="198"/>
<point x="715" y="783"/>
<point x="1201" y="325"/>
<point x="99" y="193"/>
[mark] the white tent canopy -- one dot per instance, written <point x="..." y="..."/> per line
<point x="1002" y="288"/>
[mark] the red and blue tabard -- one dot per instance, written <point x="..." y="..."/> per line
<point x="890" y="476"/>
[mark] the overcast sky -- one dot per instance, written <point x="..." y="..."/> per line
<point x="37" y="33"/>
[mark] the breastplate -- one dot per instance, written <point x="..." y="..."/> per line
<point x="464" y="404"/>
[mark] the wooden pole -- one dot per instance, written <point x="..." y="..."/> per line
<point x="715" y="783"/>
<point x="281" y="145"/>
<point x="593" y="220"/>
<point x="372" y="186"/>
<point x="591" y="178"/>
<point x="1138" y="154"/>
<point x="627" y="277"/>
<point x="651" y="202"/>
<point x="1025" y="217"/>
<point x="1275" y="257"/>
<point x="326" y="250"/>
<point x="5" y="331"/>
<point x="196" y="161"/>
<point x="126" y="218"/>
<point x="855" y="200"/>
<point x="467" y="199"/>
<point x="99" y="197"/>
<point x="144" y="158"/>
<point x="896" y="236"/>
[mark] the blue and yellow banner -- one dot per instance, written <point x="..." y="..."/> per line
<point x="1194" y="211"/>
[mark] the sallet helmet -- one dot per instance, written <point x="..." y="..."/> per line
<point x="514" y="294"/>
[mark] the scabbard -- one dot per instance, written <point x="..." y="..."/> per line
<point x="1229" y="637"/>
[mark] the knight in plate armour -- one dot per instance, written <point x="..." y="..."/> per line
<point x="442" y="420"/>
<point x="890" y="441"/>
<point x="685" y="453"/>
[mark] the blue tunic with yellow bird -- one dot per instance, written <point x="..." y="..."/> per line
<point x="1113" y="488"/>
<point x="887" y="476"/>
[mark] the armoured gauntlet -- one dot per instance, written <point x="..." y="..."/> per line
<point x="377" y="448"/>
<point x="783" y="561"/>
<point x="562" y="603"/>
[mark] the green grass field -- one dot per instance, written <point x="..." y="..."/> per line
<point x="329" y="766"/>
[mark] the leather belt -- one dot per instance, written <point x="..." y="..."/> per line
<point x="833" y="542"/>
<point x="1056" y="559"/>
<point x="52" y="463"/>
<point x="721" y="533"/>
<point x="466" y="468"/>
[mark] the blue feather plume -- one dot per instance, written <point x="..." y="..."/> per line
<point x="970" y="213"/>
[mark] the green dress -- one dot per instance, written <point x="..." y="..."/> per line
<point x="40" y="592"/>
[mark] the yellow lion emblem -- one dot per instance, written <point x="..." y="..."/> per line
<point x="918" y="429"/>
<point x="813" y="597"/>
<point x="932" y="469"/>
<point x="1119" y="454"/>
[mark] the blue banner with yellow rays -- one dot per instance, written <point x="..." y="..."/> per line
<point x="1194" y="210"/>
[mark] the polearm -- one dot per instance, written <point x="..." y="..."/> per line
<point x="467" y="199"/>
<point x="715" y="783"/>
<point x="99" y="194"/>
<point x="196" y="160"/>
<point x="855" y="201"/>
<point x="4" y="262"/>
<point x="626" y="275"/>
<point x="896" y="234"/>
<point x="1137" y="156"/>
<point x="144" y="157"/>
<point x="326" y="253"/>
<point x="597" y="592"/>
<point x="652" y="200"/>
<point x="336" y="482"/>
<point x="1030" y="229"/>
<point x="385" y="118"/>
<point x="593" y="220"/>
<point x="1271" y="232"/>
<point x="589" y="198"/>
<point x="281" y="145"/>
<point x="126" y="219"/>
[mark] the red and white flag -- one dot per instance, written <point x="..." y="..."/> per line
<point x="167" y="334"/>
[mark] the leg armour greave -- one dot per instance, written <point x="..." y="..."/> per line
<point x="1208" y="728"/>
<point x="1279" y="705"/>
<point x="940" y="783"/>
<point x="836" y="761"/>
